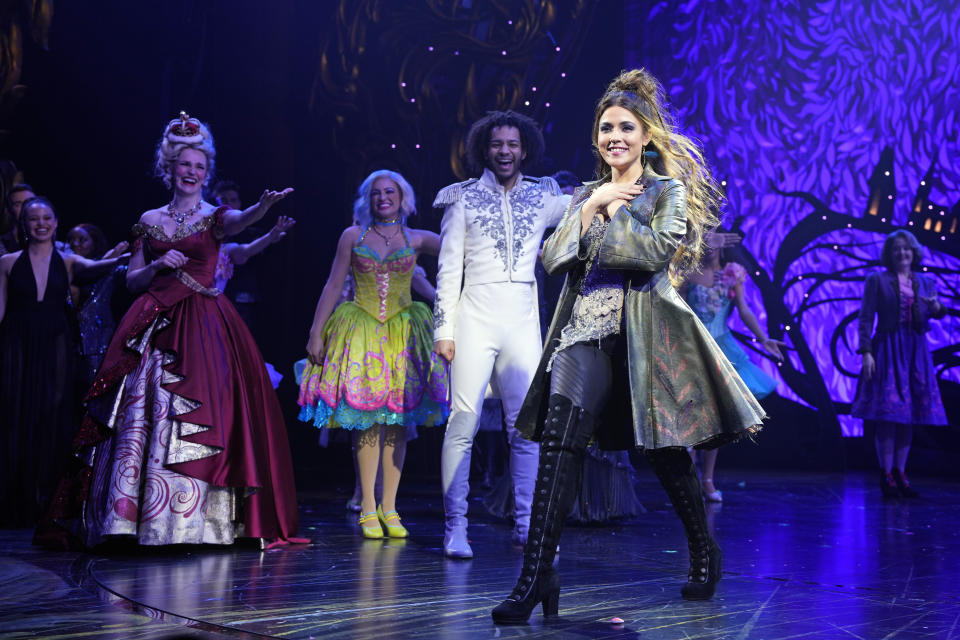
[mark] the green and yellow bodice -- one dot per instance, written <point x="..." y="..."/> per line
<point x="382" y="284"/>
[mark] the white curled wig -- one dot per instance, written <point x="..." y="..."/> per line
<point x="362" y="209"/>
<point x="179" y="134"/>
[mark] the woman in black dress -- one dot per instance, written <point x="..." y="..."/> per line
<point x="38" y="403"/>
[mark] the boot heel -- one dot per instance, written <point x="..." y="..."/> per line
<point x="551" y="604"/>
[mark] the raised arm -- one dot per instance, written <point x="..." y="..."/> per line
<point x="77" y="265"/>
<point x="240" y="253"/>
<point x="331" y="293"/>
<point x="117" y="251"/>
<point x="236" y="221"/>
<point x="629" y="244"/>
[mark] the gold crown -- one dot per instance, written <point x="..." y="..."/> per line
<point x="186" y="127"/>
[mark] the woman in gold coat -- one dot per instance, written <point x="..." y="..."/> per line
<point x="626" y="360"/>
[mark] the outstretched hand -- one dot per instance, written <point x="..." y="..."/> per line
<point x="279" y="230"/>
<point x="270" y="197"/>
<point x="773" y="348"/>
<point x="117" y="251"/>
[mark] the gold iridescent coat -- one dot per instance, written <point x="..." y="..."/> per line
<point x="683" y="390"/>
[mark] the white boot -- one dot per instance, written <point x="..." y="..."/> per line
<point x="455" y="543"/>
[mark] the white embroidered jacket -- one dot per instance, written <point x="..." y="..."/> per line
<point x="488" y="235"/>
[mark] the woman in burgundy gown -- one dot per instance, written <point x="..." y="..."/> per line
<point x="184" y="436"/>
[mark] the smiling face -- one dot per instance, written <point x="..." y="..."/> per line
<point x="621" y="138"/>
<point x="40" y="223"/>
<point x="505" y="153"/>
<point x="901" y="254"/>
<point x="80" y="242"/>
<point x="189" y="172"/>
<point x="385" y="199"/>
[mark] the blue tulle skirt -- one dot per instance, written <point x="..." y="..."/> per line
<point x="760" y="384"/>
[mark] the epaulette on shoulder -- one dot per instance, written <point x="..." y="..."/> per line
<point x="452" y="193"/>
<point x="546" y="184"/>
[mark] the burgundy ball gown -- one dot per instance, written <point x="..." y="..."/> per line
<point x="184" y="441"/>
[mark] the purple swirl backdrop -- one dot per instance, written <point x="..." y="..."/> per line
<point x="833" y="123"/>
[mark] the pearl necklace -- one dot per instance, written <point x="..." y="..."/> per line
<point x="180" y="216"/>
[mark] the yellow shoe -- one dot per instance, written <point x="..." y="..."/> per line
<point x="395" y="530"/>
<point x="371" y="531"/>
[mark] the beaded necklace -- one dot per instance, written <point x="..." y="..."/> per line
<point x="386" y="239"/>
<point x="180" y="216"/>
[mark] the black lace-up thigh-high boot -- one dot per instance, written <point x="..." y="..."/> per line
<point x="678" y="476"/>
<point x="562" y="447"/>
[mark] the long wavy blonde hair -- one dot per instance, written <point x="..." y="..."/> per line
<point x="676" y="156"/>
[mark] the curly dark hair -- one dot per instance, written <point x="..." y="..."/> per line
<point x="97" y="239"/>
<point x="478" y="138"/>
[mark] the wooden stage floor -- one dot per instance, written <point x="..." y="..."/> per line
<point x="805" y="556"/>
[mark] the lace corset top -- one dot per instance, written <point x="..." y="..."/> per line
<point x="383" y="284"/>
<point x="598" y="309"/>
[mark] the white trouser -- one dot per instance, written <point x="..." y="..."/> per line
<point x="497" y="340"/>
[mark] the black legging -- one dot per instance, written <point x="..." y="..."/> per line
<point x="583" y="373"/>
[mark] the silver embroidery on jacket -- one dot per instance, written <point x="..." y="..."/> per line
<point x="489" y="219"/>
<point x="524" y="202"/>
<point x="439" y="315"/>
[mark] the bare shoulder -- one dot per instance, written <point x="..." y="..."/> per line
<point x="7" y="260"/>
<point x="350" y="236"/>
<point x="151" y="216"/>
